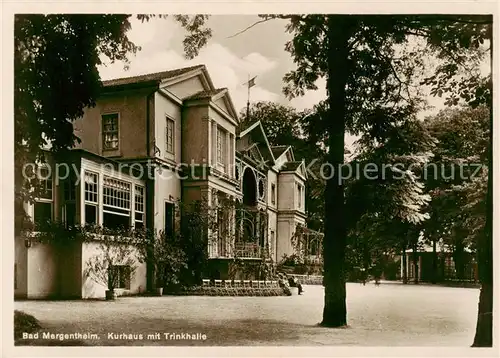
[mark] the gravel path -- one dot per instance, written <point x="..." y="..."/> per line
<point x="388" y="315"/>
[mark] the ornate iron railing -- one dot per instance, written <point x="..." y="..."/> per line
<point x="247" y="250"/>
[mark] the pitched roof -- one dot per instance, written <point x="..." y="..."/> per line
<point x="158" y="76"/>
<point x="243" y="126"/>
<point x="206" y="94"/>
<point x="278" y="150"/>
<point x="290" y="166"/>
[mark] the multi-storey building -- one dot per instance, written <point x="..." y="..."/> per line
<point x="130" y="169"/>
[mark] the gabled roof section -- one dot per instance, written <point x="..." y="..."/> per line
<point x="151" y="77"/>
<point x="214" y="95"/>
<point x="290" y="166"/>
<point x="278" y="150"/>
<point x="207" y="94"/>
<point x="257" y="129"/>
<point x="295" y="167"/>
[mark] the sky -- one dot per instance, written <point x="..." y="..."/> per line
<point x="230" y="61"/>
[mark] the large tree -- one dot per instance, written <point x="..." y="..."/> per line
<point x="368" y="78"/>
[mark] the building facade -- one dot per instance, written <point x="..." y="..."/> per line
<point x="149" y="142"/>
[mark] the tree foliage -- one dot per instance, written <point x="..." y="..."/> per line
<point x="457" y="181"/>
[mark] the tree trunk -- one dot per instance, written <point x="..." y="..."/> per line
<point x="434" y="262"/>
<point x="458" y="257"/>
<point x="484" y="327"/>
<point x="415" y="265"/>
<point x="334" y="243"/>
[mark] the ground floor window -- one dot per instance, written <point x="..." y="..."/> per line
<point x="42" y="212"/>
<point x="90" y="214"/>
<point x="120" y="276"/>
<point x="112" y="220"/>
<point x="69" y="214"/>
<point x="116" y="196"/>
<point x="169" y="219"/>
<point x="139" y="207"/>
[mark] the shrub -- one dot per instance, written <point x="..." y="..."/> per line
<point x="115" y="248"/>
<point x="24" y="322"/>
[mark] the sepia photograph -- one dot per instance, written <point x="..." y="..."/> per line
<point x="253" y="180"/>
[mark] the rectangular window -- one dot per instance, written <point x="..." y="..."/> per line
<point x="69" y="202"/>
<point x="221" y="145"/>
<point x="116" y="197"/>
<point x="300" y="196"/>
<point x="69" y="190"/>
<point x="43" y="207"/>
<point x="69" y="214"/>
<point x="91" y="181"/>
<point x="91" y="185"/>
<point x="169" y="131"/>
<point x="110" y="132"/>
<point x="119" y="275"/>
<point x="139" y="206"/>
<point x="116" y="193"/>
<point x="42" y="212"/>
<point x="90" y="214"/>
<point x="45" y="184"/>
<point x="273" y="193"/>
<point x="169" y="219"/>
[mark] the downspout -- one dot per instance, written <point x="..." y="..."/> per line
<point x="150" y="207"/>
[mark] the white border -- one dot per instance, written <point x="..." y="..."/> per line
<point x="10" y="7"/>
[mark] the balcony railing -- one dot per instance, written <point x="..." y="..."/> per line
<point x="247" y="250"/>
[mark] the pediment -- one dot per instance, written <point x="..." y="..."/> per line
<point x="187" y="86"/>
